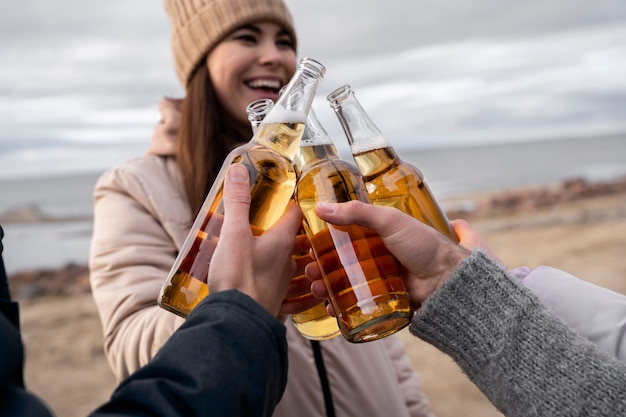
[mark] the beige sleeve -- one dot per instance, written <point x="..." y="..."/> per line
<point x="131" y="254"/>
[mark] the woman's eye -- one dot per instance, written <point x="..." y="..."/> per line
<point x="246" y="38"/>
<point x="286" y="42"/>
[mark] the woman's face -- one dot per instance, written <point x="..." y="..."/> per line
<point x="255" y="61"/>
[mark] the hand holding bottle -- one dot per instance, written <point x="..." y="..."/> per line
<point x="268" y="156"/>
<point x="429" y="258"/>
<point x="260" y="266"/>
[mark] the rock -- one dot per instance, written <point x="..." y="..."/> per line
<point x="529" y="198"/>
<point x="72" y="279"/>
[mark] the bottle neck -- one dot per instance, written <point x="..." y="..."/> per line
<point x="282" y="128"/>
<point x="309" y="155"/>
<point x="316" y="144"/>
<point x="283" y="138"/>
<point x="374" y="162"/>
<point x="362" y="134"/>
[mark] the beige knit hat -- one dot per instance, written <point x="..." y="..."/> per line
<point x="198" y="25"/>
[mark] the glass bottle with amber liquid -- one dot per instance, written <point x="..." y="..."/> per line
<point x="363" y="278"/>
<point x="314" y="323"/>
<point x="390" y="181"/>
<point x="268" y="157"/>
<point x="316" y="145"/>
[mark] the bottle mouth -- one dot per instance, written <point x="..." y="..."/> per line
<point x="258" y="109"/>
<point x="339" y="95"/>
<point x="312" y="68"/>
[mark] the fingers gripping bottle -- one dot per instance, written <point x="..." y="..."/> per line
<point x="363" y="278"/>
<point x="268" y="157"/>
<point x="390" y="181"/>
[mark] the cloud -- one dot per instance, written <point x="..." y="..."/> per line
<point x="356" y="27"/>
<point x="496" y="90"/>
<point x="87" y="75"/>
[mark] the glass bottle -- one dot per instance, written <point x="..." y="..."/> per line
<point x="363" y="278"/>
<point x="390" y="181"/>
<point x="314" y="323"/>
<point x="268" y="157"/>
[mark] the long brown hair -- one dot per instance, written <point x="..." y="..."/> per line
<point x="207" y="134"/>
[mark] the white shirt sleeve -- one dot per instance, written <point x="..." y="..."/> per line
<point x="596" y="313"/>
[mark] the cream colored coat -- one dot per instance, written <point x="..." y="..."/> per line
<point x="141" y="219"/>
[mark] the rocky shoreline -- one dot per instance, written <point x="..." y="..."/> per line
<point x="31" y="214"/>
<point x="516" y="200"/>
<point x="72" y="279"/>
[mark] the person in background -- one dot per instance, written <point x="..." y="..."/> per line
<point x="229" y="358"/>
<point x="520" y="354"/>
<point x="227" y="53"/>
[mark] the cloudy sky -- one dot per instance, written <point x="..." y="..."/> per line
<point x="80" y="79"/>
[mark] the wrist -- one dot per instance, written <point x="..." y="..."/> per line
<point x="451" y="257"/>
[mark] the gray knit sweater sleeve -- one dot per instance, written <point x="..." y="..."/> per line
<point x="521" y="356"/>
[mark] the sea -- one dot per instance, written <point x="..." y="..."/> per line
<point x="450" y="172"/>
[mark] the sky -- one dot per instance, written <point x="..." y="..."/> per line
<point x="80" y="79"/>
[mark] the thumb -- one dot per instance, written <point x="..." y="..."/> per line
<point x="236" y="200"/>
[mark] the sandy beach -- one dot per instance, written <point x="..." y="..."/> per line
<point x="574" y="226"/>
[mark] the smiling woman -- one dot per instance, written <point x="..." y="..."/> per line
<point x="227" y="53"/>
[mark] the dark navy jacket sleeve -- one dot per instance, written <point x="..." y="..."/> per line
<point x="229" y="358"/>
<point x="15" y="400"/>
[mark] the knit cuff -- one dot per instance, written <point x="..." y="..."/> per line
<point x="462" y="319"/>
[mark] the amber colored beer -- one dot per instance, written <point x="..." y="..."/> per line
<point x="364" y="282"/>
<point x="185" y="290"/>
<point x="272" y="181"/>
<point x="392" y="182"/>
<point x="314" y="323"/>
<point x="268" y="156"/>
<point x="363" y="278"/>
